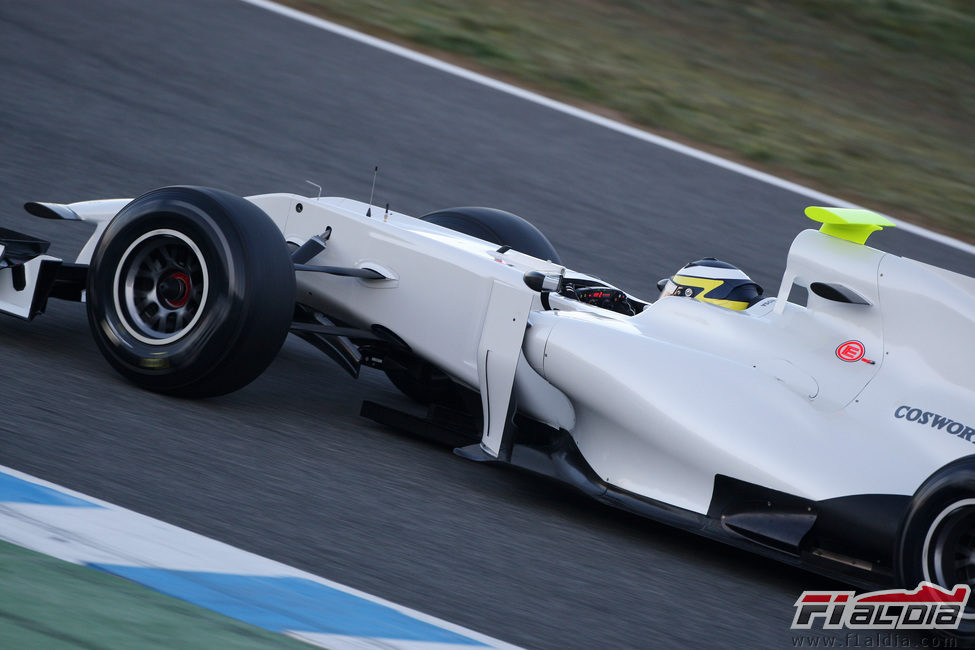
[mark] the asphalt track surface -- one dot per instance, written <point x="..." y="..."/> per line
<point x="112" y="98"/>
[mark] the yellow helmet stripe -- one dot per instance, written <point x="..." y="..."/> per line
<point x="705" y="283"/>
<point x="709" y="285"/>
<point x="737" y="305"/>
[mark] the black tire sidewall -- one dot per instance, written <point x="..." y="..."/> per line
<point x="226" y="230"/>
<point x="952" y="484"/>
<point x="498" y="227"/>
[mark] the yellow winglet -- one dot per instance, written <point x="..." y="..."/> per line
<point x="851" y="224"/>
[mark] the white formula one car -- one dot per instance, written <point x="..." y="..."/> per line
<point x="855" y="460"/>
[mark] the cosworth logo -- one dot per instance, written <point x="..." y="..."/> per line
<point x="929" y="607"/>
<point x="935" y="420"/>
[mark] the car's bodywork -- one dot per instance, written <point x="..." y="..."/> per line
<point x="799" y="430"/>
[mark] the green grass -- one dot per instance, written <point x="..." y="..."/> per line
<point x="46" y="603"/>
<point x="870" y="100"/>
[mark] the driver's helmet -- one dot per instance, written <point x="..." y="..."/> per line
<point x="716" y="282"/>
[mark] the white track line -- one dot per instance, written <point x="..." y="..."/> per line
<point x="574" y="111"/>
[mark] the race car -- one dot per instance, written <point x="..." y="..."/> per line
<point x="849" y="450"/>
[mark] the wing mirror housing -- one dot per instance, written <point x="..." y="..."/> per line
<point x="543" y="282"/>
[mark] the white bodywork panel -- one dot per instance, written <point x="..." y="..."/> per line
<point x="18" y="303"/>
<point x="98" y="212"/>
<point x="686" y="390"/>
<point x="498" y="353"/>
<point x="661" y="402"/>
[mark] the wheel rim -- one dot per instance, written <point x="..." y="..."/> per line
<point x="949" y="548"/>
<point x="161" y="286"/>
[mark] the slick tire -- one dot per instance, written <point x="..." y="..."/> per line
<point x="422" y="381"/>
<point x="937" y="538"/>
<point x="190" y="292"/>
<point x="498" y="227"/>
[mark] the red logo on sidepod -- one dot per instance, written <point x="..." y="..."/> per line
<point x="850" y="351"/>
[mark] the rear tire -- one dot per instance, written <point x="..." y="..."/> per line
<point x="498" y="227"/>
<point x="937" y="540"/>
<point x="191" y="291"/>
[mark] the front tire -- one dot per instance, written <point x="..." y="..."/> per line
<point x="190" y="291"/>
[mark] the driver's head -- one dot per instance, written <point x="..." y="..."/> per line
<point x="716" y="282"/>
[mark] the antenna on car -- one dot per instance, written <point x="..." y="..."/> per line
<point x="386" y="216"/>
<point x="318" y="186"/>
<point x="375" y="173"/>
